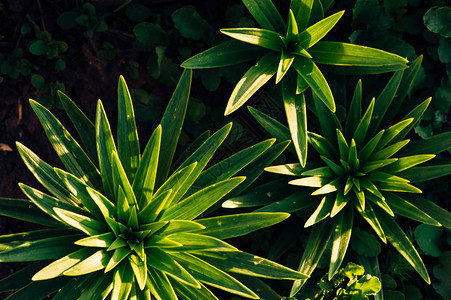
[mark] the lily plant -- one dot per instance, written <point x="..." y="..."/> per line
<point x="291" y="47"/>
<point x="119" y="226"/>
<point x="359" y="167"/>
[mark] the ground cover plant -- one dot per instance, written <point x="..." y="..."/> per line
<point x="147" y="41"/>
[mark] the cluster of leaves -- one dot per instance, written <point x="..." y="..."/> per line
<point x="120" y="225"/>
<point x="363" y="165"/>
<point x="350" y="282"/>
<point x="87" y="16"/>
<point x="282" y="47"/>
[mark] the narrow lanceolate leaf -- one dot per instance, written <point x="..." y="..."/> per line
<point x="202" y="156"/>
<point x="321" y="212"/>
<point x="272" y="126"/>
<point x="328" y="121"/>
<point x="127" y="135"/>
<point x="349" y="56"/>
<point x="340" y="202"/>
<point x="58" y="267"/>
<point x="342" y="145"/>
<point x="365" y="153"/>
<point x="103" y="240"/>
<point x="315" y="79"/>
<point x="105" y="146"/>
<point x="316" y="32"/>
<point x="389" y="151"/>
<point x="95" y="262"/>
<point x="165" y="263"/>
<point x="301" y="11"/>
<point x="316" y="244"/>
<point x="407" y="209"/>
<point x="144" y="182"/>
<point x="401" y="187"/>
<point x="153" y="208"/>
<point x="177" y="180"/>
<point x="25" y="211"/>
<point x="355" y="111"/>
<point x="120" y="180"/>
<point x="301" y="84"/>
<point x="69" y="151"/>
<point x="372" y="220"/>
<point x="118" y="255"/>
<point x="79" y="190"/>
<point x="225" y="227"/>
<point x="329" y="187"/>
<point x="248" y="264"/>
<point x="266" y="14"/>
<point x="86" y="224"/>
<point x="194" y="241"/>
<point x="207" y="273"/>
<point x="407" y="162"/>
<point x="292" y="26"/>
<point x="228" y="53"/>
<point x="231" y="165"/>
<point x="46" y="203"/>
<point x="13" y="240"/>
<point x="362" y="128"/>
<point x="431" y="145"/>
<point x="383" y="101"/>
<point x="407" y="81"/>
<point x="439" y="214"/>
<point x="322" y="145"/>
<point x="44" y="173"/>
<point x="122" y="282"/>
<point x="196" y="204"/>
<point x="340" y="239"/>
<point x="261" y="37"/>
<point x="139" y="267"/>
<point x="107" y="208"/>
<point x="392" y="132"/>
<point x="285" y="62"/>
<point x="159" y="285"/>
<point x="419" y="174"/>
<point x="48" y="248"/>
<point x="252" y="80"/>
<point x="313" y="181"/>
<point x="172" y="123"/>
<point x="85" y="128"/>
<point x="296" y="111"/>
<point x="401" y="242"/>
<point x="416" y="114"/>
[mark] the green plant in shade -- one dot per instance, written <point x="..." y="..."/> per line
<point x="350" y="282"/>
<point x="364" y="166"/>
<point x="87" y="16"/>
<point x="283" y="47"/>
<point x="120" y="227"/>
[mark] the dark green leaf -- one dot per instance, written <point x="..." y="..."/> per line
<point x="172" y="123"/>
<point x="266" y="14"/>
<point x="228" y="53"/>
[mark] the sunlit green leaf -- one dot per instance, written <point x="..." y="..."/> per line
<point x="256" y="36"/>
<point x="252" y="80"/>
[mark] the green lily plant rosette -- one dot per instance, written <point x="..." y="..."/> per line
<point x="120" y="227"/>
<point x="282" y="47"/>
<point x="361" y="166"/>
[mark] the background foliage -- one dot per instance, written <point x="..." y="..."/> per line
<point x="84" y="53"/>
